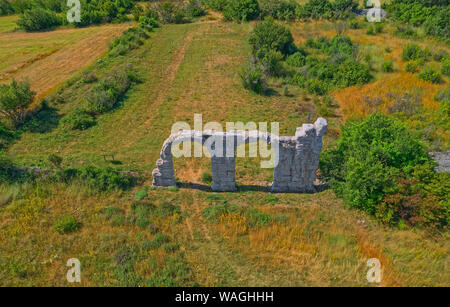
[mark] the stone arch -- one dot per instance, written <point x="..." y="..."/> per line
<point x="298" y="156"/>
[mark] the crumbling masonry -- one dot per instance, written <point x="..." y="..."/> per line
<point x="295" y="171"/>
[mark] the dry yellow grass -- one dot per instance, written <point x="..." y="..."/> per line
<point x="352" y="100"/>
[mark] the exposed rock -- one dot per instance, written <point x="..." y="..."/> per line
<point x="443" y="159"/>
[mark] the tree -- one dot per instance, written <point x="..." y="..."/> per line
<point x="269" y="35"/>
<point x="15" y="98"/>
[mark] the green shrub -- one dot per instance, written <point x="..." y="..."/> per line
<point x="316" y="9"/>
<point x="297" y="59"/>
<point x="66" y="225"/>
<point x="241" y="10"/>
<point x="368" y="158"/>
<point x="103" y="11"/>
<point x="253" y="79"/>
<point x="217" y="5"/>
<point x="194" y="9"/>
<point x="15" y="98"/>
<point x="271" y="63"/>
<point x="430" y="75"/>
<point x="437" y="24"/>
<point x="412" y="66"/>
<point x="413" y="52"/>
<point x="354" y="24"/>
<point x="79" y="119"/>
<point x="268" y="35"/>
<point x="388" y="66"/>
<point x="315" y="86"/>
<point x="148" y="23"/>
<point x="206" y="178"/>
<point x="352" y="73"/>
<point x="278" y="9"/>
<point x="6" y="8"/>
<point x="105" y="96"/>
<point x="131" y="39"/>
<point x="101" y="179"/>
<point x="445" y="66"/>
<point x="38" y="19"/>
<point x="170" y="12"/>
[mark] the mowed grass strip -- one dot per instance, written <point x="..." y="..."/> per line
<point x="48" y="58"/>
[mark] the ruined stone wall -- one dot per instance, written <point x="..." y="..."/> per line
<point x="295" y="171"/>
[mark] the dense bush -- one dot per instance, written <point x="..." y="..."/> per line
<point x="278" y="9"/>
<point x="217" y="5"/>
<point x="101" y="179"/>
<point x="315" y="9"/>
<point x="104" y="11"/>
<point x="194" y="9"/>
<point x="148" y="23"/>
<point x="438" y="24"/>
<point x="268" y="35"/>
<point x="79" y="119"/>
<point x="298" y="59"/>
<point x="241" y="10"/>
<point x="37" y="19"/>
<point x="131" y="38"/>
<point x="414" y="52"/>
<point x="326" y="9"/>
<point x="15" y="98"/>
<point x="433" y="15"/>
<point x="6" y="8"/>
<point x="105" y="95"/>
<point x="369" y="166"/>
<point x="388" y="66"/>
<point x="170" y="12"/>
<point x="339" y="69"/>
<point x="271" y="63"/>
<point x="430" y="75"/>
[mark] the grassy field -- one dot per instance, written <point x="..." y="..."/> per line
<point x="168" y="238"/>
<point x="48" y="58"/>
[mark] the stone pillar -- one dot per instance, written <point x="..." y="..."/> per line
<point x="164" y="174"/>
<point x="299" y="159"/>
<point x="282" y="173"/>
<point x="223" y="174"/>
<point x="302" y="175"/>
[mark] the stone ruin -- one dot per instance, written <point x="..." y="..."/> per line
<point x="295" y="172"/>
